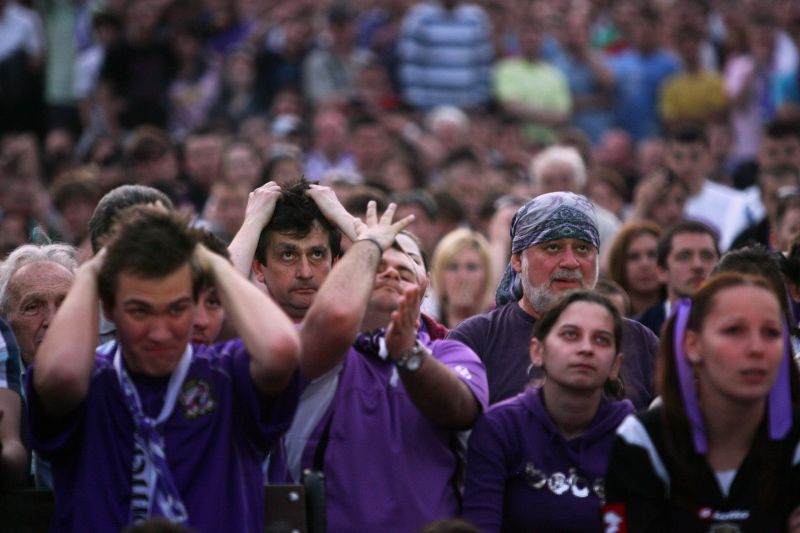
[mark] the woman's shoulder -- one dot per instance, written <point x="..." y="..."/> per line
<point x="522" y="410"/>
<point x="515" y="406"/>
<point x="643" y="429"/>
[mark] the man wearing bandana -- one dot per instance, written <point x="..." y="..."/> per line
<point x="151" y="425"/>
<point x="554" y="248"/>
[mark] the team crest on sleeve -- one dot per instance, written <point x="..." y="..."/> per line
<point x="196" y="398"/>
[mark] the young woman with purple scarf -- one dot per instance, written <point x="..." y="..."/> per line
<point x="721" y="452"/>
<point x="536" y="462"/>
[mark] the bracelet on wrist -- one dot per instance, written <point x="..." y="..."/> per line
<point x="373" y="241"/>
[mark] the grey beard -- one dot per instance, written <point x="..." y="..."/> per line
<point x="539" y="298"/>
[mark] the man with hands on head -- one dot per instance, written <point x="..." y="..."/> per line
<point x="289" y="243"/>
<point x="152" y="425"/>
<point x="385" y="424"/>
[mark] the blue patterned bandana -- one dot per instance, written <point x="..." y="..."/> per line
<point x="549" y="217"/>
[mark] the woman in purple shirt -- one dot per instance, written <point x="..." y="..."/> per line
<point x="537" y="461"/>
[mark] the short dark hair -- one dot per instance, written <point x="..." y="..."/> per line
<point x="609" y="287"/>
<point x="214" y="244"/>
<point x="781" y="128"/>
<point x="364" y="120"/>
<point x="148" y="242"/>
<point x="146" y="143"/>
<point x="688" y="135"/>
<point x="448" y="208"/>
<point x="211" y="241"/>
<point x="77" y="184"/>
<point x="758" y="261"/>
<point x="459" y="156"/>
<point x="114" y="201"/>
<point x="361" y="195"/>
<point x="419" y="198"/>
<point x="295" y="215"/>
<point x="684" y="226"/>
<point x="791" y="263"/>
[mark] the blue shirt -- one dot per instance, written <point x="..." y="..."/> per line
<point x="639" y="79"/>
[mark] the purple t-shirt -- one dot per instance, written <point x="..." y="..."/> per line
<point x="501" y="338"/>
<point x="523" y="475"/>
<point x="216" y="439"/>
<point x="387" y="467"/>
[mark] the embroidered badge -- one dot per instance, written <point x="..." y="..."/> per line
<point x="196" y="398"/>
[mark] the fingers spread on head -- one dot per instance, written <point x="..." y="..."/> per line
<point x="403" y="224"/>
<point x="372" y="213"/>
<point x="388" y="215"/>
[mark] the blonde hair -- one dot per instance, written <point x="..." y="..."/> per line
<point x="449" y="246"/>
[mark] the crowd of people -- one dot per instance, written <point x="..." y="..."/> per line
<point x="485" y="266"/>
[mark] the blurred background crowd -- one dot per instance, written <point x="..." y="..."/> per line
<point x="457" y="111"/>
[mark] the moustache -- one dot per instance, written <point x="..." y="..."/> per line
<point x="567" y="275"/>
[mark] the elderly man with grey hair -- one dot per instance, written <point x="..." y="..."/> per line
<point x="34" y="279"/>
<point x="554" y="248"/>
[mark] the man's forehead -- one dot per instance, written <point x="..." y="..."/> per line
<point x="315" y="238"/>
<point x="563" y="241"/>
<point x="685" y="147"/>
<point x="400" y="258"/>
<point x="39" y="275"/>
<point x="691" y="239"/>
<point x="164" y="290"/>
<point x="410" y="247"/>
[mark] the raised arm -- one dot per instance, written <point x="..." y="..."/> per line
<point x="260" y="208"/>
<point x="433" y="388"/>
<point x="332" y="322"/>
<point x="267" y="332"/>
<point x="65" y="359"/>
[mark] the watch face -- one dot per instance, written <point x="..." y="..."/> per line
<point x="414" y="362"/>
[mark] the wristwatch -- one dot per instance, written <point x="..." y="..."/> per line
<point x="411" y="360"/>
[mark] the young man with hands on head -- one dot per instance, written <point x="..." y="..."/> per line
<point x="152" y="425"/>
